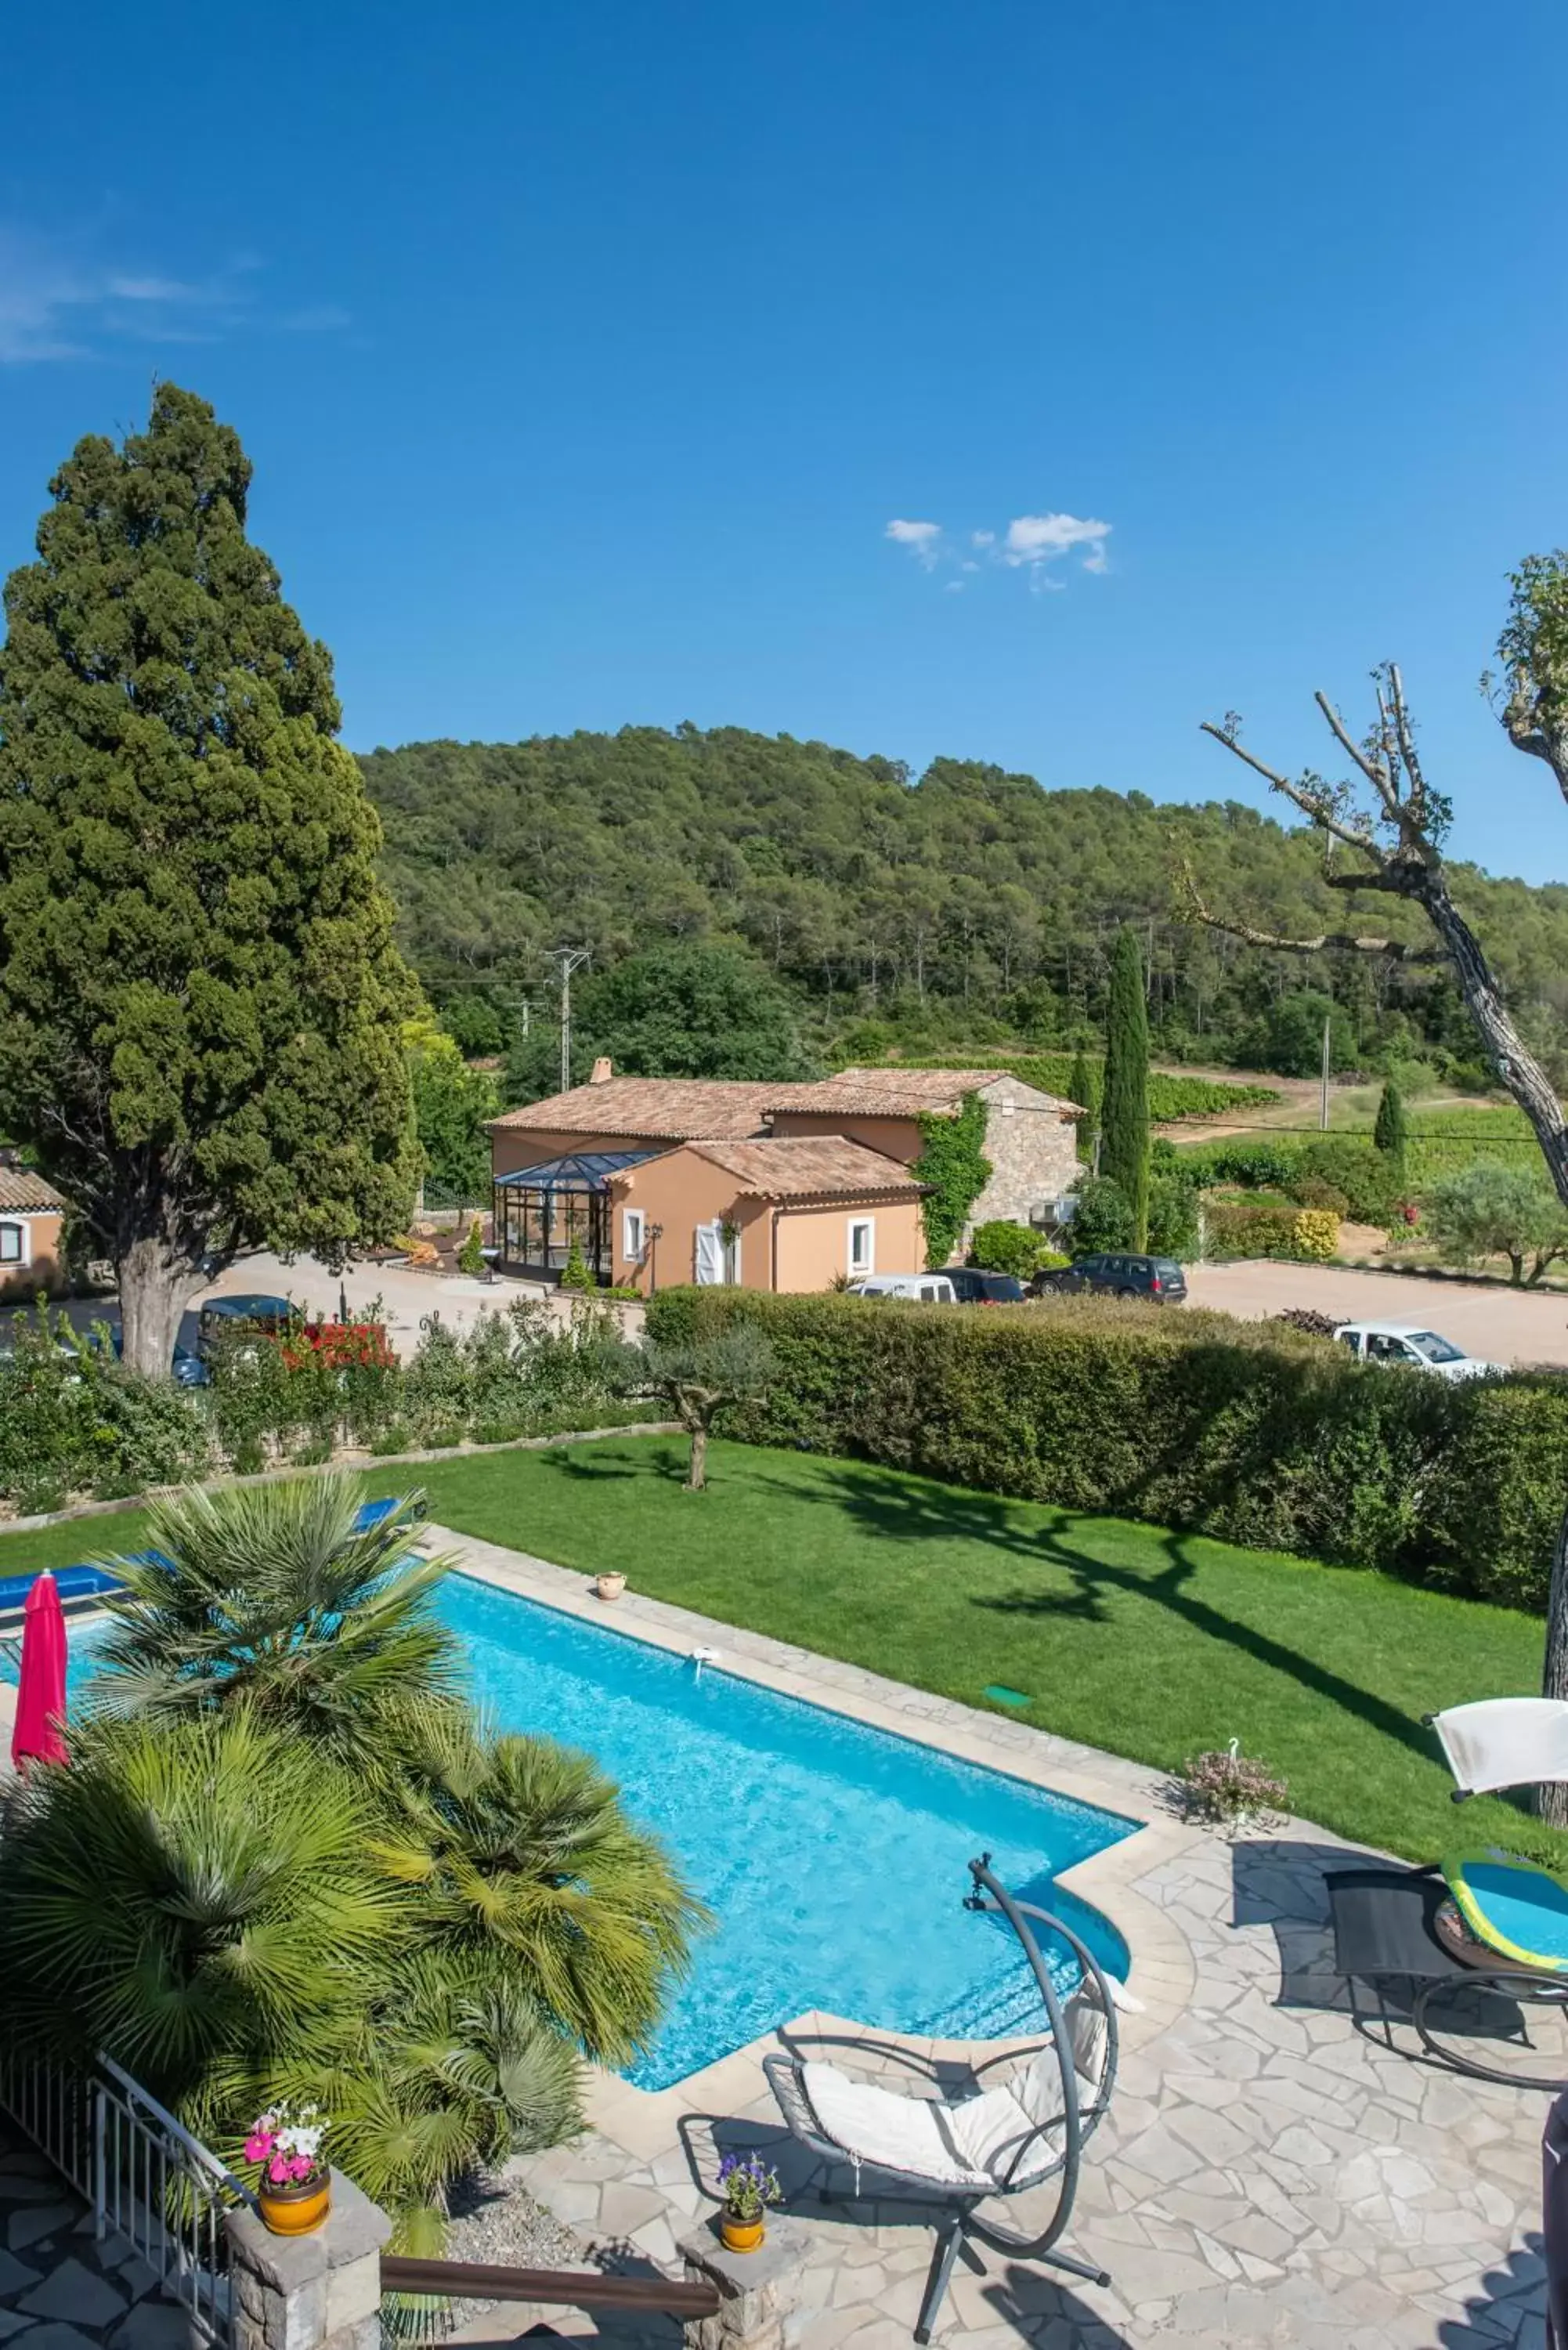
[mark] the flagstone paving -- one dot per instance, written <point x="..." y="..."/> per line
<point x="59" y="2288"/>
<point x="1270" y="2176"/>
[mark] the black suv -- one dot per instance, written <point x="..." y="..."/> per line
<point x="1158" y="1278"/>
<point x="974" y="1286"/>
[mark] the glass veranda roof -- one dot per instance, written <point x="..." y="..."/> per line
<point x="579" y="1170"/>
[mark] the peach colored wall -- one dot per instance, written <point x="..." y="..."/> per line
<point x="814" y="1242"/>
<point x="895" y="1138"/>
<point x="681" y="1190"/>
<point x="44" y="1270"/>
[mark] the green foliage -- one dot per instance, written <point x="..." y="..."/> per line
<point x="952" y="1161"/>
<point x="1389" y="1132"/>
<point x="1289" y="1036"/>
<point x="1105" y="1217"/>
<point x="699" y="1376"/>
<point x="1488" y="1210"/>
<point x="452" y="1104"/>
<point x="1255" y="1162"/>
<point x="72" y="1419"/>
<point x="1244" y="1228"/>
<point x="268" y="1597"/>
<point x="474" y="1025"/>
<point x="690" y="1010"/>
<point x="470" y="1255"/>
<point x="1003" y="1247"/>
<point x="286" y="1860"/>
<point x="1124" y="1111"/>
<point x="1173" y="1205"/>
<point x="950" y="916"/>
<point x="1083" y="1087"/>
<point x="575" y="1273"/>
<point x="1369" y="1180"/>
<point x="199" y="992"/>
<point x="1247" y="1431"/>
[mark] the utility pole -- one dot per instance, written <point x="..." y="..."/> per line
<point x="1322" y="1100"/>
<point x="567" y="960"/>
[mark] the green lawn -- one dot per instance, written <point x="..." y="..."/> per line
<point x="1151" y="1644"/>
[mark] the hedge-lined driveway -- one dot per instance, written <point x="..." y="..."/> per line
<point x="1485" y="1318"/>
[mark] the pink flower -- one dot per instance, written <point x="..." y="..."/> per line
<point x="300" y="2165"/>
<point x="278" y="2170"/>
<point x="259" y="2146"/>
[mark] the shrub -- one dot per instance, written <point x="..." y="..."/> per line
<point x="1230" y="1789"/>
<point x="1312" y="1191"/>
<point x="575" y="1274"/>
<point x="1003" y="1247"/>
<point x="1315" y="1235"/>
<point x="1248" y="1431"/>
<point x="1259" y="1164"/>
<point x="73" y="1418"/>
<point x="1104" y="1217"/>
<point x="1240" y="1228"/>
<point x="470" y="1255"/>
<point x="1367" y="1178"/>
<point x="1303" y="1317"/>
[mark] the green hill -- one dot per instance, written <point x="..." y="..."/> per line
<point x="968" y="904"/>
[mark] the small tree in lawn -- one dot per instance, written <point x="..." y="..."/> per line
<point x="1389" y="1135"/>
<point x="1486" y="1210"/>
<point x="733" y="1366"/>
<point x="1123" y="1110"/>
<point x="200" y="1000"/>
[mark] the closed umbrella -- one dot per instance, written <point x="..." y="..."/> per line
<point x="41" y="1696"/>
<point x="1554" y="2163"/>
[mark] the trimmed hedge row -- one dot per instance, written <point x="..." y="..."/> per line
<point x="1251" y="1432"/>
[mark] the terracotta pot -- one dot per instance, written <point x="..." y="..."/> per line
<point x="295" y="2210"/>
<point x="609" y="1586"/>
<point x="741" y="2235"/>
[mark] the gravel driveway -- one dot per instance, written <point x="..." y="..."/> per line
<point x="1502" y="1325"/>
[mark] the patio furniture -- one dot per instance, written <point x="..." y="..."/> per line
<point x="1386" y="1931"/>
<point x="1503" y="1741"/>
<point x="1023" y="2134"/>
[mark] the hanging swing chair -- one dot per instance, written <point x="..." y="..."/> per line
<point x="998" y="2143"/>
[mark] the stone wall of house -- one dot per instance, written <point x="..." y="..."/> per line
<point x="1033" y="1150"/>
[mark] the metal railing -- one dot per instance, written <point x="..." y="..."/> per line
<point x="147" y="2181"/>
<point x="477" y="2281"/>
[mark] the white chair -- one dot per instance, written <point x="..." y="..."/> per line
<point x="1503" y="1741"/>
<point x="997" y="2143"/>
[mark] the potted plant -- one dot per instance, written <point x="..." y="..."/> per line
<point x="609" y="1583"/>
<point x="293" y="2191"/>
<point x="747" y="2186"/>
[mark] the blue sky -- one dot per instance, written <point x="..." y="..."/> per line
<point x="586" y="352"/>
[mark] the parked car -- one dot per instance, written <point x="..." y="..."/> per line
<point x="974" y="1285"/>
<point x="925" y="1288"/>
<point x="269" y="1314"/>
<point x="1159" y="1278"/>
<point x="187" y="1369"/>
<point x="1416" y="1349"/>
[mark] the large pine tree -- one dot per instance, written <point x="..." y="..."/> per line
<point x="200" y="999"/>
<point x="1123" y="1110"/>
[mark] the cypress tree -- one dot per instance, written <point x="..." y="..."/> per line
<point x="1123" y="1107"/>
<point x="201" y="1005"/>
<point x="1389" y="1133"/>
<point x="1082" y="1088"/>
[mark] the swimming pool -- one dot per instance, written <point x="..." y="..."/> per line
<point x="833" y="1855"/>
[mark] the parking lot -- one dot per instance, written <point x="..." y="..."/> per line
<point x="1504" y="1325"/>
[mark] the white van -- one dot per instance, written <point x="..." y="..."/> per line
<point x="925" y="1288"/>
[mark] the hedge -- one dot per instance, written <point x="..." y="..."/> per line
<point x="1243" y="1227"/>
<point x="1169" y="1097"/>
<point x="1252" y="1433"/>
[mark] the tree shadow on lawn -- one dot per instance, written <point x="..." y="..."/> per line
<point x="904" y="1511"/>
<point x="578" y="1461"/>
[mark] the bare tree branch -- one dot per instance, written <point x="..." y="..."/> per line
<point x="1351" y="941"/>
<point x="1316" y="806"/>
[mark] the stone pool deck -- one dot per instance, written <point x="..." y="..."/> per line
<point x="1268" y="2173"/>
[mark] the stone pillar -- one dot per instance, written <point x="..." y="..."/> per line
<point x="757" y="2290"/>
<point x="320" y="2292"/>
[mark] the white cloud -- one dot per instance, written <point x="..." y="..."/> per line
<point x="982" y="538"/>
<point x="1034" y="540"/>
<point x="60" y="300"/>
<point x="956" y="586"/>
<point x="923" y="540"/>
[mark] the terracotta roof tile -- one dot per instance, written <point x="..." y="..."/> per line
<point x="677" y="1108"/>
<point x="22" y="1190"/>
<point x="808" y="1166"/>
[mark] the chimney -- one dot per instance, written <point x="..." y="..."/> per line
<point x="603" y="1070"/>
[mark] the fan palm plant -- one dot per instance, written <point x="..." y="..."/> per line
<point x="529" y="1867"/>
<point x="274" y="1598"/>
<point x="198" y="1897"/>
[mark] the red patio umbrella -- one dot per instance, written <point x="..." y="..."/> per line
<point x="41" y="1696"/>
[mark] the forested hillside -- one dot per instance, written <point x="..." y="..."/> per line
<point x="968" y="902"/>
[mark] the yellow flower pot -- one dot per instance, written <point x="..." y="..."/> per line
<point x="741" y="2235"/>
<point x="295" y="2210"/>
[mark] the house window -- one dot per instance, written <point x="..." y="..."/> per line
<point x="13" y="1244"/>
<point x="862" y="1249"/>
<point x="634" y="1234"/>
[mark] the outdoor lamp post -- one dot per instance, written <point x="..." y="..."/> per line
<point x="655" y="1234"/>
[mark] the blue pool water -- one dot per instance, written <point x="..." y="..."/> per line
<point x="833" y="1856"/>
